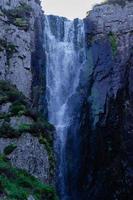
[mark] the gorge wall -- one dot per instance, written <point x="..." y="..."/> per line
<point x="97" y="114"/>
<point x="106" y="120"/>
<point x="26" y="144"/>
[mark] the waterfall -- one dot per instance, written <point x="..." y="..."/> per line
<point x="65" y="79"/>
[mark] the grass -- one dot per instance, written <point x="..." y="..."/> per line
<point x="24" y="128"/>
<point x="17" y="184"/>
<point x="113" y="42"/>
<point x="9" y="93"/>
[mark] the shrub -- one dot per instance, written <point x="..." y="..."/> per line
<point x="9" y="47"/>
<point x="5" y="116"/>
<point x="6" y="131"/>
<point x="36" y="129"/>
<point x="3" y="99"/>
<point x="41" y="119"/>
<point x="19" y="16"/>
<point x="24" y="128"/>
<point x="17" y="108"/>
<point x="10" y="93"/>
<point x="9" y="149"/>
<point x="22" y="23"/>
<point x="5" y="86"/>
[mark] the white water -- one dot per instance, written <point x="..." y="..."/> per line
<point x="65" y="60"/>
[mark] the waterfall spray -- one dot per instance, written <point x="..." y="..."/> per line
<point x="65" y="64"/>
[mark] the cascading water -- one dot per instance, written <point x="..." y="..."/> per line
<point x="65" y="80"/>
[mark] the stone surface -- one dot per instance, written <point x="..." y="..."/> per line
<point x="16" y="122"/>
<point x="21" y="61"/>
<point x="5" y="107"/>
<point x="29" y="155"/>
<point x="30" y="198"/>
<point x="110" y="17"/>
<point x="17" y="67"/>
<point x="106" y="124"/>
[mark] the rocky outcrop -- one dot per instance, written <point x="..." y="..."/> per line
<point x="17" y="41"/>
<point x="106" y="171"/>
<point x="29" y="154"/>
<point x="22" y="127"/>
<point x="28" y="131"/>
<point x="26" y="140"/>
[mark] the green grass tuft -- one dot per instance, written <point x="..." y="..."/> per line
<point x="17" y="184"/>
<point x="113" y="42"/>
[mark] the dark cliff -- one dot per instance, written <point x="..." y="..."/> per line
<point x="106" y="118"/>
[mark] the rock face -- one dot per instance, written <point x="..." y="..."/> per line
<point x="22" y="135"/>
<point x="106" y="117"/>
<point x="24" y="127"/>
<point x="106" y="124"/>
<point x="29" y="155"/>
<point x="17" y="41"/>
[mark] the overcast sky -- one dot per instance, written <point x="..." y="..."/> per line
<point x="68" y="8"/>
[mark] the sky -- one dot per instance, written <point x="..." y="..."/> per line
<point x="69" y="8"/>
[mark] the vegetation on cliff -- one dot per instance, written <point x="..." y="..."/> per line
<point x="14" y="105"/>
<point x="113" y="42"/>
<point x="17" y="184"/>
<point x="19" y="16"/>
